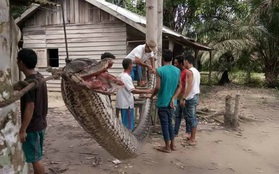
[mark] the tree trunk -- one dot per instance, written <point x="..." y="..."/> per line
<point x="235" y="118"/>
<point x="11" y="155"/>
<point x="225" y="78"/>
<point x="271" y="78"/>
<point x="228" y="111"/>
<point x="231" y="118"/>
<point x="160" y="27"/>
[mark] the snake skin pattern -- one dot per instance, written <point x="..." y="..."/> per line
<point x="94" y="112"/>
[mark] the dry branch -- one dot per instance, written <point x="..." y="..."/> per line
<point x="34" y="84"/>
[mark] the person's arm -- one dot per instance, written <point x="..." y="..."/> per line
<point x="141" y="91"/>
<point x="189" y="75"/>
<point x="17" y="87"/>
<point x="177" y="92"/>
<point x="152" y="61"/>
<point x="139" y="62"/>
<point x="27" y="116"/>
<point x="158" y="85"/>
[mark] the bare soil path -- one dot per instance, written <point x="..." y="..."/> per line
<point x="251" y="150"/>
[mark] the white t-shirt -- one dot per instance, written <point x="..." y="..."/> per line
<point x="124" y="96"/>
<point x="139" y="52"/>
<point x="196" y="83"/>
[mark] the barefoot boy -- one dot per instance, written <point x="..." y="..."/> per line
<point x="168" y="87"/>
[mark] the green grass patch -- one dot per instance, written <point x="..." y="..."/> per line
<point x="237" y="77"/>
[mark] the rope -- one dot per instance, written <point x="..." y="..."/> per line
<point x="31" y="84"/>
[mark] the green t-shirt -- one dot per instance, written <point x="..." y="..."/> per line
<point x="169" y="75"/>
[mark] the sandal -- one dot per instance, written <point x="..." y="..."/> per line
<point x="192" y="143"/>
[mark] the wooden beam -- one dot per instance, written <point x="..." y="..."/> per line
<point x="210" y="67"/>
<point x="160" y="32"/>
<point x="171" y="45"/>
<point x="196" y="58"/>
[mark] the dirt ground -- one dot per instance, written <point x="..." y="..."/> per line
<point x="253" y="149"/>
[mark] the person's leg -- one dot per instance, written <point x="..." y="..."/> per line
<point x="178" y="114"/>
<point x="131" y="119"/>
<point x="170" y="128"/>
<point x="132" y="74"/>
<point x="191" y="114"/>
<point x="117" y="112"/>
<point x="124" y="117"/>
<point x="163" y="116"/>
<point x="188" y="127"/>
<point x="38" y="167"/>
<point x="140" y="73"/>
<point x="33" y="150"/>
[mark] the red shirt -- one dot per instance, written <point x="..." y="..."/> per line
<point x="183" y="80"/>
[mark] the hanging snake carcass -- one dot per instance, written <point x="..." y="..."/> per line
<point x="86" y="86"/>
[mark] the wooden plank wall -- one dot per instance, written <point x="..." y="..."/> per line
<point x="95" y="32"/>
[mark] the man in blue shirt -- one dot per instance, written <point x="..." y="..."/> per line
<point x="168" y="87"/>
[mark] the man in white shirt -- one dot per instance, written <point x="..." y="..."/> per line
<point x="140" y="55"/>
<point x="124" y="96"/>
<point x="191" y="96"/>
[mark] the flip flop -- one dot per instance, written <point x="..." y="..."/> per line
<point x="162" y="149"/>
<point x="190" y="143"/>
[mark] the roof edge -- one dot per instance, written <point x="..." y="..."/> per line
<point x="27" y="13"/>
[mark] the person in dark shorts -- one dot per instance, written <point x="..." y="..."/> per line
<point x="33" y="107"/>
<point x="168" y="87"/>
<point x="107" y="55"/>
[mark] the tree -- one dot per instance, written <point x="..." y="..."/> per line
<point x="266" y="14"/>
<point x="255" y="36"/>
<point x="136" y="6"/>
<point x="11" y="155"/>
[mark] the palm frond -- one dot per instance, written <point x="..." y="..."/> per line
<point x="266" y="8"/>
<point x="235" y="46"/>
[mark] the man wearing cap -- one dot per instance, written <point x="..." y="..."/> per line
<point x="140" y="55"/>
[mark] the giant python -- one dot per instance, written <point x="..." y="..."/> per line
<point x="86" y="86"/>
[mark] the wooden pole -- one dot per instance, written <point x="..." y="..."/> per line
<point x="67" y="60"/>
<point x="235" y="122"/>
<point x="196" y="58"/>
<point x="228" y="111"/>
<point x="160" y="28"/>
<point x="152" y="29"/>
<point x="210" y="67"/>
<point x="151" y="21"/>
<point x="171" y="45"/>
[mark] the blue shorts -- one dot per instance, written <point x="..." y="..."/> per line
<point x="136" y="73"/>
<point x="33" y="146"/>
<point x="128" y="118"/>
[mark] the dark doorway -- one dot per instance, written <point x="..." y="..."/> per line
<point x="53" y="58"/>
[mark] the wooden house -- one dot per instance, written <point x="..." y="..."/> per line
<point x="93" y="27"/>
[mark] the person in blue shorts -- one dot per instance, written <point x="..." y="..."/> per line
<point x="124" y="96"/>
<point x="140" y="56"/>
<point x="33" y="107"/>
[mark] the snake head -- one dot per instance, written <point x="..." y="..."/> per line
<point x="93" y="75"/>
